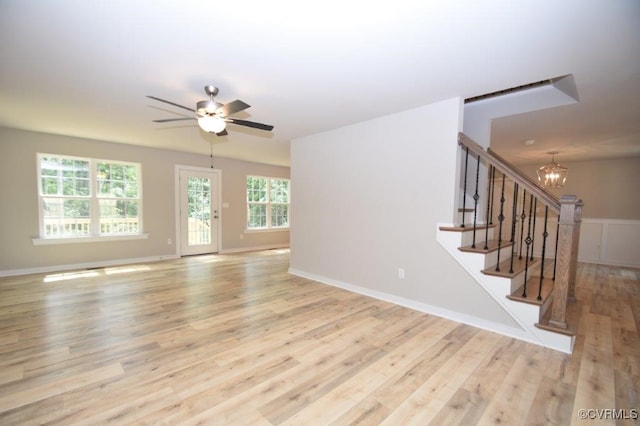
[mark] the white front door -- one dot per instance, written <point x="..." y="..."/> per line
<point x="199" y="211"/>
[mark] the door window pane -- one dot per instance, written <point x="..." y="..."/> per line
<point x="199" y="210"/>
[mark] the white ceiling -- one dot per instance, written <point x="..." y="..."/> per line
<point x="83" y="68"/>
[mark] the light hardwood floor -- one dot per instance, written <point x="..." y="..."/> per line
<point x="234" y="339"/>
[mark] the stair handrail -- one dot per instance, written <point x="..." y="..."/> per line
<point x="511" y="171"/>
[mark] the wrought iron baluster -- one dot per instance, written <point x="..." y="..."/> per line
<point x="528" y="242"/>
<point x="464" y="190"/>
<point x="514" y="213"/>
<point x="533" y="233"/>
<point x="500" y="219"/>
<point x="545" y="234"/>
<point x="514" y="218"/>
<point x="476" y="197"/>
<point x="522" y="218"/>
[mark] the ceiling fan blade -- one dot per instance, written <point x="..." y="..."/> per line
<point x="250" y="124"/>
<point x="233" y="107"/>
<point x="171" y="103"/>
<point x="167" y="120"/>
<point x="222" y="133"/>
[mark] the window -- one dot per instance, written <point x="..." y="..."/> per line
<point x="267" y="203"/>
<point x="84" y="197"/>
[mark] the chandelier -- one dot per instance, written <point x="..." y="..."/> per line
<point x="552" y="175"/>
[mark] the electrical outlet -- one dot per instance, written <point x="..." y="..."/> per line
<point x="401" y="273"/>
<point x="169" y="241"/>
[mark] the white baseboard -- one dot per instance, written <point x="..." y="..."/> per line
<point x="86" y="265"/>
<point x="419" y="306"/>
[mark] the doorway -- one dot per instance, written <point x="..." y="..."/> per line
<point x="198" y="210"/>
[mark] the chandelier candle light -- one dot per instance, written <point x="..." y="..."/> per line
<point x="552" y="175"/>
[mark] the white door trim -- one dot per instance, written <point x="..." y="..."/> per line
<point x="176" y="185"/>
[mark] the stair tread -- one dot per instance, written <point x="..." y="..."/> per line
<point x="492" y="245"/>
<point x="505" y="266"/>
<point x="533" y="286"/>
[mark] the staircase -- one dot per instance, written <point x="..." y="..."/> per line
<point x="519" y="243"/>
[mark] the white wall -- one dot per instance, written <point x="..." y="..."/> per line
<point x="608" y="187"/>
<point x="610" y="230"/>
<point x="366" y="201"/>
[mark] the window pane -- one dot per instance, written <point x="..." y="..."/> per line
<point x="66" y="217"/>
<point x="104" y="187"/>
<point x="117" y="189"/>
<point x="279" y="191"/>
<point x="81" y="169"/>
<point x="199" y="206"/>
<point x="49" y="166"/>
<point x="280" y="215"/>
<point x="64" y="176"/>
<point x="131" y="189"/>
<point x="256" y="189"/>
<point x="49" y="186"/>
<point x="67" y="168"/>
<point x="118" y="216"/>
<point x="117" y="180"/>
<point x="68" y="186"/>
<point x="257" y="216"/>
<point x="82" y="187"/>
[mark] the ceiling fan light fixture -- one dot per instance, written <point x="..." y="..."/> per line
<point x="211" y="123"/>
<point x="552" y="175"/>
<point x="207" y="107"/>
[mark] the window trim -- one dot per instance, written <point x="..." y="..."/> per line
<point x="94" y="200"/>
<point x="43" y="241"/>
<point x="269" y="227"/>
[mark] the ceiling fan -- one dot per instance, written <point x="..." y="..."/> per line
<point x="213" y="116"/>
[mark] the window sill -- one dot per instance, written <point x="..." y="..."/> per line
<point x="90" y="239"/>
<point x="259" y="230"/>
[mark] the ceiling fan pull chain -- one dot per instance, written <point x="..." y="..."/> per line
<point x="211" y="148"/>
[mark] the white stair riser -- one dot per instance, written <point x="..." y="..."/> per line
<point x="467" y="236"/>
<point x="491" y="259"/>
<point x="525" y="314"/>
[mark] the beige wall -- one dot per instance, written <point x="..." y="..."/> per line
<point x="368" y="198"/>
<point x="19" y="209"/>
<point x="609" y="188"/>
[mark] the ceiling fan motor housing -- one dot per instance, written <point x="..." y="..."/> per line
<point x="211" y="90"/>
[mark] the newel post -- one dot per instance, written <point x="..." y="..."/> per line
<point x="567" y="258"/>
